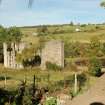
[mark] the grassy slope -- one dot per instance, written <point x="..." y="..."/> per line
<point x="84" y="36"/>
<point x="16" y="76"/>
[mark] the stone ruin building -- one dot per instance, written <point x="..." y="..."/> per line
<point x="9" y="52"/>
<point x="53" y="52"/>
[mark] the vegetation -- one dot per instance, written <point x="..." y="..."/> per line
<point x="42" y="30"/>
<point x="103" y="4"/>
<point x="58" y="81"/>
<point x="95" y="67"/>
<point x="87" y="43"/>
<point x="29" y="56"/>
<point x="24" y="95"/>
<point x="12" y="34"/>
<point x="51" y="101"/>
<point x="52" y="66"/>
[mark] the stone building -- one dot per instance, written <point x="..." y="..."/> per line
<point x="53" y="52"/>
<point x="10" y="51"/>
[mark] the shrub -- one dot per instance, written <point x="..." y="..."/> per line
<point x="42" y="30"/>
<point x="83" y="25"/>
<point x="95" y="67"/>
<point x="51" y="101"/>
<point x="97" y="27"/>
<point x="69" y="80"/>
<point x="82" y="78"/>
<point x="52" y="66"/>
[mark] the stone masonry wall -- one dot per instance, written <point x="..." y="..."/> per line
<point x="10" y="52"/>
<point x="53" y="52"/>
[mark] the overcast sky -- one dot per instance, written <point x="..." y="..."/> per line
<point x="16" y="12"/>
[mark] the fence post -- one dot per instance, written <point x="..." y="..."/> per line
<point x="5" y="81"/>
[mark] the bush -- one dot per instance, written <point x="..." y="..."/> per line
<point x="42" y="30"/>
<point x="3" y="78"/>
<point x="51" y="101"/>
<point x="72" y="49"/>
<point x="69" y="80"/>
<point x="52" y="66"/>
<point x="95" y="67"/>
<point x="83" y="25"/>
<point x="82" y="78"/>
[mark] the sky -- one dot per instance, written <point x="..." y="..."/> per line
<point x="17" y="13"/>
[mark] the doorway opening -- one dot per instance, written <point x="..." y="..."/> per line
<point x="36" y="61"/>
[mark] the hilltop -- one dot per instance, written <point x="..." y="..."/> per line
<point x="68" y="32"/>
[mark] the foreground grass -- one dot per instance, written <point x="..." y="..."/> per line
<point x="15" y="77"/>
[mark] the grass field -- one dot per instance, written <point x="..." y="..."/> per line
<point x="69" y="33"/>
<point x="15" y="77"/>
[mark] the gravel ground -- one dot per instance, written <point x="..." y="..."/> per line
<point x="95" y="94"/>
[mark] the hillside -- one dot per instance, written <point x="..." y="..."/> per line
<point x="67" y="32"/>
<point x="83" y="57"/>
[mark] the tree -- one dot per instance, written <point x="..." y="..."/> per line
<point x="14" y="34"/>
<point x="3" y="34"/>
<point x="103" y="4"/>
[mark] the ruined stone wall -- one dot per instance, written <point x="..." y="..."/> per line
<point x="10" y="52"/>
<point x="53" y="52"/>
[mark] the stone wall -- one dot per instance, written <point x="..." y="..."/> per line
<point x="53" y="52"/>
<point x="10" y="51"/>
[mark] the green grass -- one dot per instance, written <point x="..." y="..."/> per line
<point x="69" y="34"/>
<point x="16" y="76"/>
<point x="87" y="32"/>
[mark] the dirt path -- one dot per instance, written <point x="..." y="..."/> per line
<point x="95" y="94"/>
